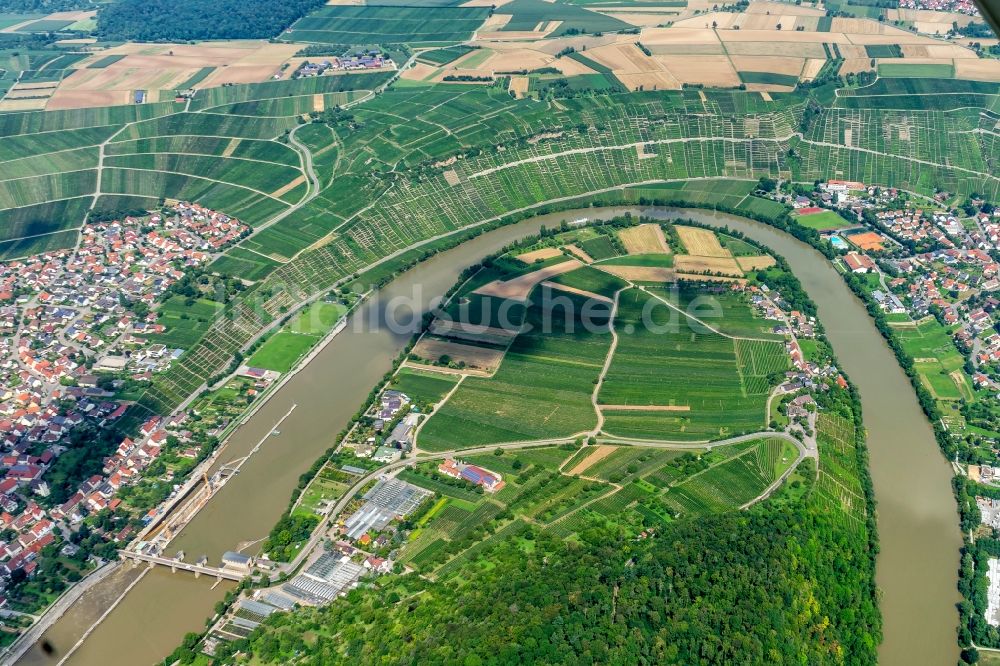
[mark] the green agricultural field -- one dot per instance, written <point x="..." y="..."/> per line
<point x="735" y="482"/>
<point x="101" y="63"/>
<point x="527" y="14"/>
<point x="444" y="56"/>
<point x="541" y="390"/>
<point x="906" y="70"/>
<point x="884" y="51"/>
<point x="423" y="387"/>
<point x="769" y="78"/>
<point x="715" y="387"/>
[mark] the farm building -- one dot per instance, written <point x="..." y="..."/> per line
<point x="490" y="481"/>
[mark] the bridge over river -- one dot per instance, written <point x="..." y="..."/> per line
<point x="176" y="564"/>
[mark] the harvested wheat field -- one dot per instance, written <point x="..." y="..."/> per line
<point x="543" y="254"/>
<point x="788" y="49"/>
<point x="771" y="64"/>
<point x="79" y="99"/>
<point x="685" y="263"/>
<point x="419" y="71"/>
<point x="599" y="453"/>
<point x="709" y="70"/>
<point x="9" y="104"/>
<point x="755" y="263"/>
<point x="480" y="358"/>
<point x="937" y="51"/>
<point x="978" y="70"/>
<point x="855" y="65"/>
<point x="580" y="253"/>
<point x="812" y="68"/>
<point x="579" y="292"/>
<point x="701" y="242"/>
<point x="519" y="288"/>
<point x="783" y="8"/>
<point x="644" y="239"/>
<point x="641" y="273"/>
<point x="519" y="86"/>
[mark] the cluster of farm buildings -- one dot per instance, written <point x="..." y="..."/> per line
<point x="361" y="60"/>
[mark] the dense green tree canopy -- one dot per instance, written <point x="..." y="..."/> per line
<point x="181" y="20"/>
<point x="777" y="586"/>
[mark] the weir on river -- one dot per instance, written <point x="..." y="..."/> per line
<point x="917" y="519"/>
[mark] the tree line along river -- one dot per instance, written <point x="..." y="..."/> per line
<point x="917" y="518"/>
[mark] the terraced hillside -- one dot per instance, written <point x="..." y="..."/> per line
<point x="413" y="163"/>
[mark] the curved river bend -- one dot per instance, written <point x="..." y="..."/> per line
<point x="917" y="520"/>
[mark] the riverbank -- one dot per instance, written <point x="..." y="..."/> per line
<point x="917" y="522"/>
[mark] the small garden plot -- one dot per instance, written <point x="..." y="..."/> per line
<point x="321" y="491"/>
<point x="644" y="239"/>
<point x="733" y="483"/>
<point x="929" y="340"/>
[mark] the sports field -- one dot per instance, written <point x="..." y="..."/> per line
<point x="822" y="221"/>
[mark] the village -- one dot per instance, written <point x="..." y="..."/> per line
<point x="933" y="270"/>
<point x="81" y="330"/>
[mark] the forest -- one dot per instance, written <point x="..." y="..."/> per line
<point x="777" y="585"/>
<point x="182" y="20"/>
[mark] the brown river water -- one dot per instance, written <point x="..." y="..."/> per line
<point x="917" y="521"/>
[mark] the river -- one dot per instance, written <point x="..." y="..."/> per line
<point x="917" y="519"/>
